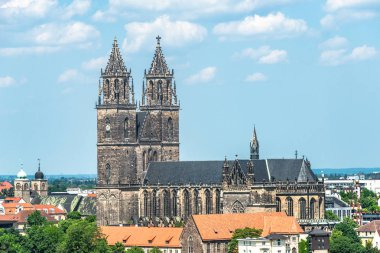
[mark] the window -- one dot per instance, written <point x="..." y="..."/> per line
<point x="126" y="128"/>
<point x="218" y="247"/>
<point x="186" y="199"/>
<point x="278" y="242"/>
<point x="174" y="203"/>
<point x="116" y="89"/>
<point x="302" y="208"/>
<point x="145" y="203"/>
<point x="196" y="202"/>
<point x="208" y="202"/>
<point x="108" y="173"/>
<point x="166" y="198"/>
<point x="289" y="202"/>
<point x="217" y="202"/>
<point x="153" y="210"/>
<point x="208" y="248"/>
<point x="190" y="241"/>
<point x="108" y="88"/>
<point x="278" y="204"/>
<point x="170" y="129"/>
<point x="108" y="128"/>
<point x="144" y="160"/>
<point x="312" y="208"/>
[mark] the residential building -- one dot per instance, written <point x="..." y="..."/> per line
<point x="273" y="243"/>
<point x="367" y="232"/>
<point x="338" y="206"/>
<point x="167" y="239"/>
<point x="52" y="211"/>
<point x="319" y="241"/>
<point x="211" y="233"/>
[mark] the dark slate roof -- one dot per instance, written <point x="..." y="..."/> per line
<point x="276" y="237"/>
<point x="210" y="172"/>
<point x="140" y="117"/>
<point x="319" y="232"/>
<point x="335" y="202"/>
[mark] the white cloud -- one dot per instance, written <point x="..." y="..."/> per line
<point x="26" y="8"/>
<point x="363" y="53"/>
<point x="345" y="16"/>
<point x="334" y="5"/>
<point x="12" y="51"/>
<point x="6" y="81"/>
<point x="335" y="42"/>
<point x="256" y="77"/>
<point x="77" y="7"/>
<point x="95" y="63"/>
<point x="68" y="75"/>
<point x="264" y="55"/>
<point x="173" y="33"/>
<point x="181" y="8"/>
<point x="203" y="76"/>
<point x="273" y="25"/>
<point x="77" y="33"/>
<point x="341" y="56"/>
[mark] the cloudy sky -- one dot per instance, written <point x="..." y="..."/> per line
<point x="306" y="73"/>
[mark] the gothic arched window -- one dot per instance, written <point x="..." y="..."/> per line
<point x="166" y="198"/>
<point x="237" y="207"/>
<point x="35" y="187"/>
<point x="126" y="128"/>
<point x="289" y="203"/>
<point x="170" y="129"/>
<point x="312" y="208"/>
<point x="144" y="160"/>
<point x="145" y="203"/>
<point x="125" y="88"/>
<point x="151" y="89"/>
<point x="153" y="209"/>
<point x="108" y="128"/>
<point x="191" y="247"/>
<point x="187" y="206"/>
<point x="302" y="208"/>
<point x="217" y="202"/>
<point x="278" y="204"/>
<point x="108" y="88"/>
<point x="174" y="203"/>
<point x="155" y="157"/>
<point x="116" y="88"/>
<point x="108" y="173"/>
<point x="196" y="202"/>
<point x="208" y="202"/>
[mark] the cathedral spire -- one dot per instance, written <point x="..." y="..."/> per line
<point x="159" y="90"/>
<point x="254" y="145"/>
<point x="159" y="66"/>
<point x="115" y="65"/>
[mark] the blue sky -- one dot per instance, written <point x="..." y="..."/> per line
<point x="305" y="73"/>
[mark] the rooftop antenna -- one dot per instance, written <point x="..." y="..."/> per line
<point x="296" y="154"/>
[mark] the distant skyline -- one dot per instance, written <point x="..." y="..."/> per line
<point x="305" y="73"/>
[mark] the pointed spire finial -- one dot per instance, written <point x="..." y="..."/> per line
<point x="158" y="38"/>
<point x="39" y="164"/>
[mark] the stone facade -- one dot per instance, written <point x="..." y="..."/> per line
<point x="140" y="177"/>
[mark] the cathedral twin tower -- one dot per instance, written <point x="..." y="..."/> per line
<point x="131" y="136"/>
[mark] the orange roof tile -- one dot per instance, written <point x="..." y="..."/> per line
<point x="5" y="185"/>
<point x="12" y="199"/>
<point x="49" y="209"/>
<point x="91" y="195"/>
<point x="143" y="236"/>
<point x="222" y="226"/>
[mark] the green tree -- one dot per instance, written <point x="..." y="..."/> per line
<point x="74" y="215"/>
<point x="369" y="248"/>
<point x="91" y="218"/>
<point x="36" y="219"/>
<point x="11" y="241"/>
<point x="303" y="246"/>
<point x="331" y="216"/>
<point x="155" y="250"/>
<point x="347" y="227"/>
<point x="82" y="237"/>
<point x="118" y="248"/>
<point x="242" y="233"/>
<point x="45" y="238"/>
<point x="135" y="250"/>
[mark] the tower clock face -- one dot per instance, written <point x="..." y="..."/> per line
<point x="108" y="127"/>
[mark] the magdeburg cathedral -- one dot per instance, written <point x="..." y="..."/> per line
<point x="141" y="180"/>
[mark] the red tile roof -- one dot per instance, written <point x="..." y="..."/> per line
<point x="5" y="185"/>
<point x="12" y="199"/>
<point x="167" y="237"/>
<point x="22" y="217"/>
<point x="370" y="227"/>
<point x="222" y="226"/>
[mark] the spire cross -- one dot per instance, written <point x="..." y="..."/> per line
<point x="296" y="153"/>
<point x="158" y="38"/>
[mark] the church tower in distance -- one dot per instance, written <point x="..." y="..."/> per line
<point x="254" y="146"/>
<point x="128" y="138"/>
